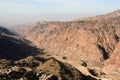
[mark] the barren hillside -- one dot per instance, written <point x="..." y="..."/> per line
<point x="93" y="40"/>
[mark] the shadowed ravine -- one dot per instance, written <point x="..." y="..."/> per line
<point x="14" y="47"/>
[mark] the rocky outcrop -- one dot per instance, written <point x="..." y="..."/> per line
<point x="51" y="69"/>
<point x="63" y="71"/>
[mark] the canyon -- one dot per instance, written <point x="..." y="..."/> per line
<point x="82" y="49"/>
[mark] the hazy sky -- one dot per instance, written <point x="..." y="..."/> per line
<point x="16" y="12"/>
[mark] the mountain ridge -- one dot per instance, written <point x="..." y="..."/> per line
<point x="100" y="17"/>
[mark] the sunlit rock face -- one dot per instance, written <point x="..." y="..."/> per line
<point x="94" y="40"/>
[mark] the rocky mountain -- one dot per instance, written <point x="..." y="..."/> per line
<point x="94" y="40"/>
<point x="21" y="60"/>
<point x="76" y="38"/>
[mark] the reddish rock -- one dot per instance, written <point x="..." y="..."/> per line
<point x="92" y="40"/>
<point x="113" y="63"/>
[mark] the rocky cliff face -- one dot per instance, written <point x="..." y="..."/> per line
<point x="113" y="63"/>
<point x="94" y="41"/>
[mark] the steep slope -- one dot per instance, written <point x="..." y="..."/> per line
<point x="78" y="40"/>
<point x="6" y="31"/>
<point x="18" y="63"/>
<point x="113" y="63"/>
<point x="92" y="41"/>
<point x="14" y="47"/>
